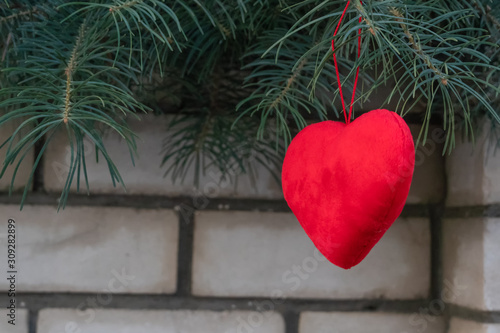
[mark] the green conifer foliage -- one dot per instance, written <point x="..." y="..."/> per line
<point x="240" y="76"/>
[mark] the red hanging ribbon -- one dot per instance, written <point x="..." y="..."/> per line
<point x="347" y="118"/>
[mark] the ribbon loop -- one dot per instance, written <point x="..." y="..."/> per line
<point x="346" y="116"/>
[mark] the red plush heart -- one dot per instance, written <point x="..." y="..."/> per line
<point x="347" y="184"/>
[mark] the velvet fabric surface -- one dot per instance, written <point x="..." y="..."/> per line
<point x="347" y="184"/>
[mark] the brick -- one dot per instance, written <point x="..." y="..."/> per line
<point x="25" y="168"/>
<point x="93" y="249"/>
<point x="147" y="177"/>
<point x="268" y="255"/>
<point x="158" y="321"/>
<point x="21" y="322"/>
<point x="428" y="179"/>
<point x="472" y="169"/>
<point x="471" y="262"/>
<point x="458" y="325"/>
<point x="359" y="322"/>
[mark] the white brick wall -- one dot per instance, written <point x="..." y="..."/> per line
<point x="458" y="325"/>
<point x="25" y="168"/>
<point x="376" y="322"/>
<point x="103" y="250"/>
<point x="261" y="254"/>
<point x="472" y="169"/>
<point x="93" y="249"/>
<point x="471" y="259"/>
<point x="130" y="321"/>
<point x="21" y="322"/>
<point x="471" y="247"/>
<point x="147" y="175"/>
<point x="428" y="178"/>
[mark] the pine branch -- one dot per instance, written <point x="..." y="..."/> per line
<point x="289" y="84"/>
<point x="18" y="15"/>
<point x="6" y="46"/>
<point x="66" y="83"/>
<point x="125" y="5"/>
<point x="69" y="71"/>
<point x="489" y="16"/>
<point x="416" y="46"/>
<point x="234" y="70"/>
<point x="447" y="44"/>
